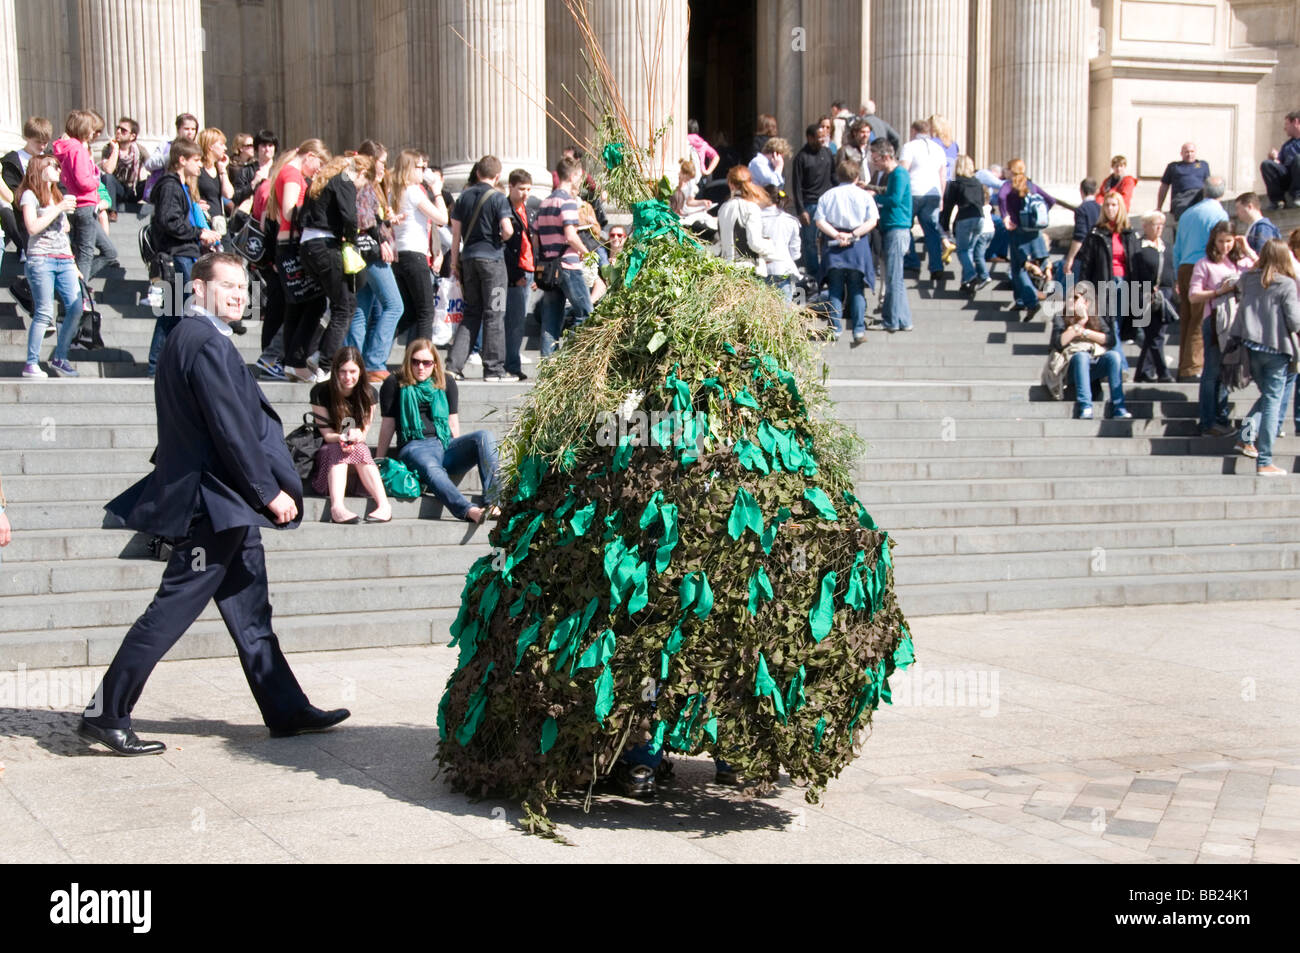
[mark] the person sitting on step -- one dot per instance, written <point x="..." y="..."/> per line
<point x="345" y="408"/>
<point x="1090" y="341"/>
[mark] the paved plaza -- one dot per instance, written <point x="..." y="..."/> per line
<point x="1126" y="735"/>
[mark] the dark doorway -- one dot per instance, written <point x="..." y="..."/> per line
<point x="723" y="91"/>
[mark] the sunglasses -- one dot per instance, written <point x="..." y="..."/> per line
<point x="125" y="129"/>
<point x="419" y="363"/>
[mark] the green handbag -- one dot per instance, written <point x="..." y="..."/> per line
<point x="400" y="481"/>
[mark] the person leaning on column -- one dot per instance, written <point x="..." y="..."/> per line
<point x="222" y="472"/>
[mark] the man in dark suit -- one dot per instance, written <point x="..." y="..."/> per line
<point x="222" y="471"/>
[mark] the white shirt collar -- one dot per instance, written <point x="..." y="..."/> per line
<point x="216" y="321"/>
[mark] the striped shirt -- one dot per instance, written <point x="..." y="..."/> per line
<point x="558" y="210"/>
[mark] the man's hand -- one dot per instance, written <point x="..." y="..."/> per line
<point x="283" y="508"/>
<point x="5" y="533"/>
<point x="805" y="218"/>
<point x="209" y="237"/>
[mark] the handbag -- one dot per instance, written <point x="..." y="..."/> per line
<point x="304" y="442"/>
<point x="248" y="240"/>
<point x="352" y="260"/>
<point x="299" y="284"/>
<point x="366" y="247"/>
<point x="548" y="276"/>
<point x="399" y="480"/>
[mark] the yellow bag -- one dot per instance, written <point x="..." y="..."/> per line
<point x="352" y="260"/>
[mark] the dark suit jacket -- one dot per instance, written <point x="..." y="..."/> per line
<point x="221" y="449"/>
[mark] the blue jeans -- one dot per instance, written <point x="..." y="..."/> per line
<point x="87" y="236"/>
<point x="372" y="334"/>
<point x="552" y="308"/>
<point x="1270" y="374"/>
<point x="925" y="208"/>
<point x="439" y="467"/>
<point x="1085" y="369"/>
<point x="48" y="277"/>
<point x="782" y="283"/>
<point x="842" y="282"/>
<point x="1213" y="396"/>
<point x="1250" y="423"/>
<point x="971" y="248"/>
<point x="1000" y="245"/>
<point x="897" y="312"/>
<point x="808" y="242"/>
<point x="1024" y="246"/>
<point x="516" y="314"/>
<point x="163" y="326"/>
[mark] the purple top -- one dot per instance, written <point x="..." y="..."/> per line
<point x="1009" y="200"/>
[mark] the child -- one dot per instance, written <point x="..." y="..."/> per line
<point x="81" y="181"/>
<point x="50" y="267"/>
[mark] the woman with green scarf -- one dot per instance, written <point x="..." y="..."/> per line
<point x="419" y="406"/>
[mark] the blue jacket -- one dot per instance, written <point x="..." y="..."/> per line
<point x="221" y="450"/>
<point x="1194" y="231"/>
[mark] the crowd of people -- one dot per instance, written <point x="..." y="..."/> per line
<point x="358" y="251"/>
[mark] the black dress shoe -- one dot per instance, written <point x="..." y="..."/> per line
<point x="310" y="719"/>
<point x="121" y="741"/>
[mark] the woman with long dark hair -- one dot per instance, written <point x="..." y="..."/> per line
<point x="345" y="407"/>
<point x="50" y="267"/>
<point x="1214" y="277"/>
<point x="379" y="302"/>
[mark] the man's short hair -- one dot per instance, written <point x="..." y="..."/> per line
<point x="567" y="167"/>
<point x="1293" y="115"/>
<point x="39" y="128"/>
<point x="883" y="148"/>
<point x="487" y="168"/>
<point x="922" y="126"/>
<point x="183" y="118"/>
<point x="1088" y="187"/>
<point x="1248" y="198"/>
<point x="265" y="137"/>
<point x="181" y="149"/>
<point x="1214" y="187"/>
<point x="130" y="124"/>
<point x="206" y="267"/>
<point x="521" y="177"/>
<point x="848" y="170"/>
<point x="814" y="129"/>
<point x="1118" y="160"/>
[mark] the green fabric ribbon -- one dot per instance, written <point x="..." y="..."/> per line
<point x="474" y="711"/>
<point x="822" y="613"/>
<point x="604" y="694"/>
<point x="623" y="453"/>
<point x="769" y="535"/>
<point x="658" y="741"/>
<point x="751" y="458"/>
<point x="683" y="734"/>
<point x="651" y="511"/>
<point x="517" y="606"/>
<point x="469" y="633"/>
<point x="711" y="383"/>
<point x="627" y="574"/>
<point x="664" y="554"/>
<point x="681" y="394"/>
<point x="520" y="552"/>
<point x="759" y="586"/>
<point x="531" y="471"/>
<point x="821" y="502"/>
<point x="569" y="633"/>
<point x="745" y="399"/>
<point x="765" y="685"/>
<point x="612" y="155"/>
<point x="600" y="651"/>
<point x="856" y="597"/>
<point x="550" y="728"/>
<point x="581" y="520"/>
<point x="818" y="730"/>
<point x="904" y="655"/>
<point x="864" y="518"/>
<point x="526" y="638"/>
<point x="695" y="594"/>
<point x="794" y="696"/>
<point x="745" y="514"/>
<point x="409" y="425"/>
<point x="651" y="219"/>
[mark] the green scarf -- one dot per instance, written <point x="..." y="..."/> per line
<point x="409" y="425"/>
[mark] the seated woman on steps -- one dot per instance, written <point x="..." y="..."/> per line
<point x="1088" y="342"/>
<point x="345" y="407"/>
<point x="420" y="407"/>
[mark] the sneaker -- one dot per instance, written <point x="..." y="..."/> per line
<point x="1121" y="415"/>
<point x="313" y="362"/>
<point x="1218" y="430"/>
<point x="1245" y="449"/>
<point x="376" y="377"/>
<point x="274" y="371"/>
<point x="519" y="376"/>
<point x="525" y="359"/>
<point x="907" y="329"/>
<point x="1085" y="414"/>
<point x="726" y="775"/>
<point x="498" y="378"/>
<point x="34" y="371"/>
<point x="859" y="337"/>
<point x="1269" y="470"/>
<point x="635" y="780"/>
<point x="63" y="369"/>
<point x="457" y="376"/>
<point x="474" y="360"/>
<point x="319" y="376"/>
<point x="982" y="282"/>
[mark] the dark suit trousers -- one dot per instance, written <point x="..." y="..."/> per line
<point x="230" y="567"/>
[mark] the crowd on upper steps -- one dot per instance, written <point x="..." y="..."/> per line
<point x="364" y="249"/>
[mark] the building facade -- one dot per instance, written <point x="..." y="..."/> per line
<point x="1062" y="83"/>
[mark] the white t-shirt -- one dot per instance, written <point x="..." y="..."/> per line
<point x="412" y="233"/>
<point x="846" y="207"/>
<point x="926" y="163"/>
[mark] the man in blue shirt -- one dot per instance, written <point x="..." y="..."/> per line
<point x="1086" y="216"/>
<point x="1185" y="179"/>
<point x="1189" y="248"/>
<point x="1281" y="170"/>
<point x="896" y="231"/>
<point x="1259" y="230"/>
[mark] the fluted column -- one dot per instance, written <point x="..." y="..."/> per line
<point x="566" y="72"/>
<point x="144" y="59"/>
<point x="1039" y="82"/>
<point x="981" y="108"/>
<point x="645" y="43"/>
<point x="920" y="61"/>
<point x="491" y="86"/>
<point x="832" y="63"/>
<point x="11" y="117"/>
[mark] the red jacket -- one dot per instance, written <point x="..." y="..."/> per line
<point x="80" y="176"/>
<point x="1124" y="188"/>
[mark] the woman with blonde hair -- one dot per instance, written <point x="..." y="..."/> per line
<point x="417" y="216"/>
<point x="287" y="192"/>
<point x="419" y="406"/>
<point x="214" y="186"/>
<point x="967" y="197"/>
<point x="1107" y="259"/>
<point x="1026" y="241"/>
<point x="941" y="132"/>
<point x="379" y="302"/>
<point x="740" y="225"/>
<point x="329" y="218"/>
<point x="1268" y="319"/>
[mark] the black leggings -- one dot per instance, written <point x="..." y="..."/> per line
<point x="323" y="257"/>
<point x="301" y="320"/>
<point x="415" y="283"/>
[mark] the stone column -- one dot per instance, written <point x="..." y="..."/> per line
<point x="489" y="89"/>
<point x="981" y="109"/>
<point x="832" y="63"/>
<point x="11" y="116"/>
<point x="919" y="62"/>
<point x="143" y="59"/>
<point x="645" y="43"/>
<point x="567" y="69"/>
<point x="1039" y="82"/>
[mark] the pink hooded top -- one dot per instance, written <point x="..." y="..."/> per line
<point x="80" y="176"/>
